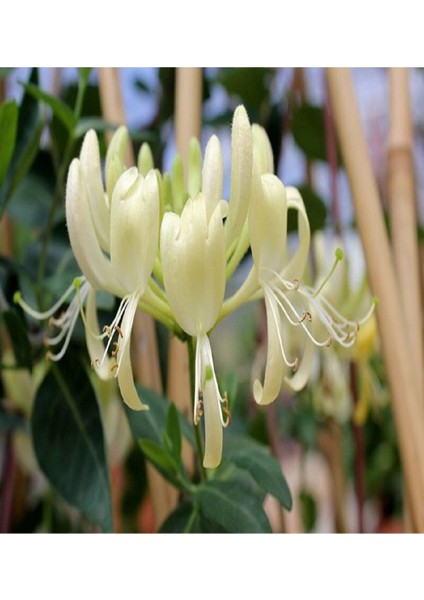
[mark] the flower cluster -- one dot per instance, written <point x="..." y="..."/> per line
<point x="170" y="251"/>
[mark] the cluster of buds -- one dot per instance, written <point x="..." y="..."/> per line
<point x="170" y="251"/>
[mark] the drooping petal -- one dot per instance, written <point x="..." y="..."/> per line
<point x="211" y="404"/>
<point x="241" y="174"/>
<point x="92" y="176"/>
<point x="85" y="245"/>
<point x="268" y="391"/>
<point x="95" y="345"/>
<point x="193" y="264"/>
<point x="212" y="175"/>
<point x="134" y="229"/>
<point x="124" y="371"/>
<point x="296" y="265"/>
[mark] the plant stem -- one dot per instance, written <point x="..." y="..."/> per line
<point x="8" y="480"/>
<point x="197" y="433"/>
<point x="359" y="451"/>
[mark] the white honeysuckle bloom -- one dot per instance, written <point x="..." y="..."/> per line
<point x="114" y="238"/>
<point x="192" y="248"/>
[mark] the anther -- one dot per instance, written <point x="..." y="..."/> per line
<point x="115" y="348"/>
<point x="295" y="365"/>
<point x="329" y="342"/>
<point x="226" y="411"/>
<point x="119" y="330"/>
<point x="306" y="316"/>
<point x="107" y="330"/>
<point x="296" y="283"/>
<point x="114" y="367"/>
<point x="95" y="363"/>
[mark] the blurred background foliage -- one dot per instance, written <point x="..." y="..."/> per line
<point x="71" y="457"/>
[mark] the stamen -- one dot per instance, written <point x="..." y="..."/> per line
<point x="115" y="348"/>
<point x="337" y="258"/>
<point x="296" y="283"/>
<point x="119" y="330"/>
<point x="288" y="363"/>
<point x="17" y="299"/>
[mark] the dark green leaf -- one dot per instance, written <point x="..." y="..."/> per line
<point x="267" y="473"/>
<point x="60" y="109"/>
<point x="28" y="137"/>
<point x="151" y="424"/>
<point x="187" y="519"/>
<point x="308" y="130"/>
<point x="68" y="440"/>
<point x="232" y="506"/>
<point x="19" y="338"/>
<point x="172" y="438"/>
<point x="250" y="85"/>
<point x="164" y="463"/>
<point x="315" y="209"/>
<point x="8" y="127"/>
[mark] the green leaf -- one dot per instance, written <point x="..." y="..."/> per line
<point x="232" y="506"/>
<point x="60" y="109"/>
<point x="159" y="457"/>
<point x="151" y="424"/>
<point x="308" y="130"/>
<point x="8" y="128"/>
<point x="172" y="437"/>
<point x="315" y="209"/>
<point x="182" y="520"/>
<point x="250" y="85"/>
<point x="68" y="440"/>
<point x="19" y="338"/>
<point x="28" y="136"/>
<point x="266" y="471"/>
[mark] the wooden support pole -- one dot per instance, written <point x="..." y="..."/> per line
<point x="402" y="204"/>
<point x="407" y="406"/>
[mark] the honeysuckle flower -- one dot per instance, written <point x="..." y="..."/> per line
<point x="114" y="236"/>
<point x="192" y="248"/>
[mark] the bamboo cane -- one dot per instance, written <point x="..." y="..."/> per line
<point x="188" y="119"/>
<point x="144" y="342"/>
<point x="401" y="188"/>
<point x="408" y="413"/>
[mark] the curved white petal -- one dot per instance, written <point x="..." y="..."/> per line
<point x="241" y="174"/>
<point x="134" y="228"/>
<point x="268" y="391"/>
<point x="92" y="176"/>
<point x="145" y="161"/>
<point x="296" y="266"/>
<point x="212" y="175"/>
<point x="268" y="225"/>
<point x="85" y="245"/>
<point x="262" y="152"/>
<point x="193" y="264"/>
<point x="95" y="345"/>
<point x="124" y="371"/>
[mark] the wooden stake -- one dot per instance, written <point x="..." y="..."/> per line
<point x="401" y="188"/>
<point x="188" y="120"/>
<point x="408" y="413"/>
<point x="144" y="343"/>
